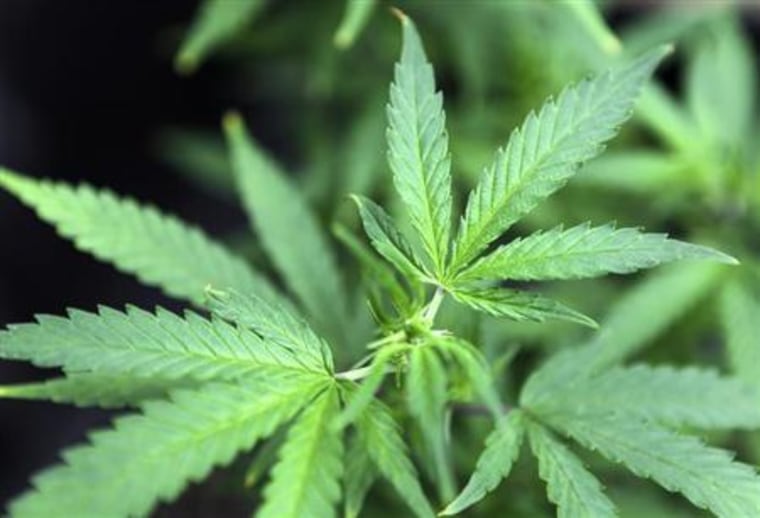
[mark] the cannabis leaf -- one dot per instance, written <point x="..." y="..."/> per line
<point x="518" y="305"/>
<point x="569" y="485"/>
<point x="276" y="326"/>
<point x="276" y="209"/>
<point x="494" y="464"/>
<point x="691" y="397"/>
<point x="546" y="151"/>
<point x="380" y="437"/>
<point x="427" y="394"/>
<point x="176" y="442"/>
<point x="418" y="147"/>
<point x="160" y="250"/>
<point x="739" y="314"/>
<point x="584" y="251"/>
<point x="355" y="17"/>
<point x="387" y="239"/>
<point x="215" y="22"/>
<point x="707" y="476"/>
<point x="102" y="390"/>
<point x="306" y="480"/>
<point x="140" y="343"/>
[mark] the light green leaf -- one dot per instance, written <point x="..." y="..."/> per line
<point x="667" y="23"/>
<point x="584" y="251"/>
<point x="355" y="18"/>
<point x="685" y="397"/>
<point x="388" y="239"/>
<point x="363" y="163"/>
<point x="380" y="437"/>
<point x="360" y="475"/>
<point x="668" y="119"/>
<point x="289" y="232"/>
<point x="149" y="458"/>
<point x="139" y="343"/>
<point x="418" y="147"/>
<point x="706" y="476"/>
<point x="159" y="249"/>
<point x="275" y="325"/>
<point x="517" y="305"/>
<point x="632" y="323"/>
<point x="638" y="171"/>
<point x="740" y="314"/>
<point x="214" y="23"/>
<point x="427" y="395"/>
<point x="592" y="21"/>
<point x="577" y="493"/>
<point x="546" y="151"/>
<point x="105" y="391"/>
<point x="306" y="480"/>
<point x="721" y="82"/>
<point x="494" y="464"/>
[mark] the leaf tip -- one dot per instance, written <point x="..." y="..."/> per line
<point x="232" y="122"/>
<point x="186" y="63"/>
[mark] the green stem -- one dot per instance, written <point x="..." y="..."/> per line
<point x="434" y="306"/>
<point x="354" y="374"/>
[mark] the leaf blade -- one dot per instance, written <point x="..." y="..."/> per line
<point x="418" y="146"/>
<point x="158" y="249"/>
<point x="276" y="208"/>
<point x="575" y="491"/>
<point x="706" y="476"/>
<point x="215" y="22"/>
<point x="310" y="487"/>
<point x="176" y="442"/>
<point x="582" y="252"/>
<point x="546" y="151"/>
<point x="140" y="343"/>
<point x="518" y="305"/>
<point x="380" y="436"/>
<point x="494" y="464"/>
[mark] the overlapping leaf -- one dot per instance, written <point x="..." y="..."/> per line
<point x="276" y="325"/>
<point x="380" y="437"/>
<point x="105" y="391"/>
<point x="518" y="305"/>
<point x="691" y="397"/>
<point x="707" y="476"/>
<point x="571" y="486"/>
<point x="427" y="396"/>
<point x="149" y="458"/>
<point x="387" y="238"/>
<point x="289" y="232"/>
<point x="144" y="344"/>
<point x="159" y="249"/>
<point x="740" y="314"/>
<point x="306" y="480"/>
<point x="494" y="464"/>
<point x="546" y="151"/>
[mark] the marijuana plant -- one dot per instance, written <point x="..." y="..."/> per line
<point x="307" y="371"/>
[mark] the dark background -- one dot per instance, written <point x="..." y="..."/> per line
<point x="83" y="87"/>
